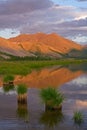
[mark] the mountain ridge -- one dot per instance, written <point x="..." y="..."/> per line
<point x="51" y="45"/>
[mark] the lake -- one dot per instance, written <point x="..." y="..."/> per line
<point x="70" y="80"/>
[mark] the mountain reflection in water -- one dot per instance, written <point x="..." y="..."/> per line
<point x="48" y="77"/>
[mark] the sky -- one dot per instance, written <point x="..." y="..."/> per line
<point x="67" y="18"/>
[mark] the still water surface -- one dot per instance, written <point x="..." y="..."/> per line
<point x="70" y="80"/>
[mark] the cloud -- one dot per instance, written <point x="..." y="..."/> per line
<point x="47" y="15"/>
<point x="14" y="13"/>
<point x="48" y="19"/>
<point x="22" y="6"/>
<point x="79" y="39"/>
<point x="75" y="30"/>
<point x="76" y="23"/>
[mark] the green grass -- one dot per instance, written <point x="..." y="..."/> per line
<point x="25" y="67"/>
<point x="78" y="117"/>
<point x="52" y="96"/>
<point x="21" y="89"/>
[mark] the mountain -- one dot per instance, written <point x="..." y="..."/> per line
<point x="39" y="44"/>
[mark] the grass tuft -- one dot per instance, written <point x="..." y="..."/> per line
<point x="78" y="117"/>
<point x="51" y="95"/>
<point x="21" y="89"/>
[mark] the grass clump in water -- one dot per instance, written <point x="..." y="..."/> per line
<point x="78" y="117"/>
<point x="52" y="98"/>
<point x="21" y="89"/>
<point x="22" y="93"/>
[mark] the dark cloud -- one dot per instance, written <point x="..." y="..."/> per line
<point x="47" y="15"/>
<point x="11" y="21"/>
<point x="23" y="6"/>
<point x="15" y="13"/>
<point x="81" y="0"/>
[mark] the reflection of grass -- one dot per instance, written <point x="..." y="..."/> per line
<point x="8" y="88"/>
<point x="8" y="83"/>
<point x="78" y="117"/>
<point x="25" y="67"/>
<point x="52" y="98"/>
<point x="22" y="111"/>
<point x="51" y="118"/>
